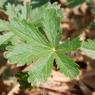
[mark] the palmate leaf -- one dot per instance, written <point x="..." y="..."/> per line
<point x="42" y="47"/>
<point x="88" y="48"/>
<point x="67" y="65"/>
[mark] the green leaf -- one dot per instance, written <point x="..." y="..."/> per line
<point x="74" y="3"/>
<point x="11" y="1"/>
<point x="2" y="2"/>
<point x="88" y="48"/>
<point x="5" y="2"/>
<point x="70" y="45"/>
<point x="41" y="47"/>
<point x="22" y="79"/>
<point x="19" y="54"/>
<point x="91" y="6"/>
<point x="5" y="38"/>
<point x="27" y="31"/>
<point x="26" y="10"/>
<point x="67" y="65"/>
<point x="36" y="43"/>
<point x="37" y="13"/>
<point x="3" y="25"/>
<point x="41" y="70"/>
<point x="22" y="54"/>
<point x="51" y="25"/>
<point x="12" y="11"/>
<point x="19" y="11"/>
<point x="92" y="25"/>
<point x="38" y="3"/>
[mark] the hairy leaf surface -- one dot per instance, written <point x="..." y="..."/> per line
<point x="70" y="45"/>
<point x="41" y="70"/>
<point x="67" y="65"/>
<point x="27" y="31"/>
<point x="25" y="53"/>
<point x="51" y="24"/>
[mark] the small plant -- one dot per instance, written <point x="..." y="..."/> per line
<point x="35" y="39"/>
<point x="40" y="45"/>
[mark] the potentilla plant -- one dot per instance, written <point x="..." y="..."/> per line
<point x="37" y="42"/>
